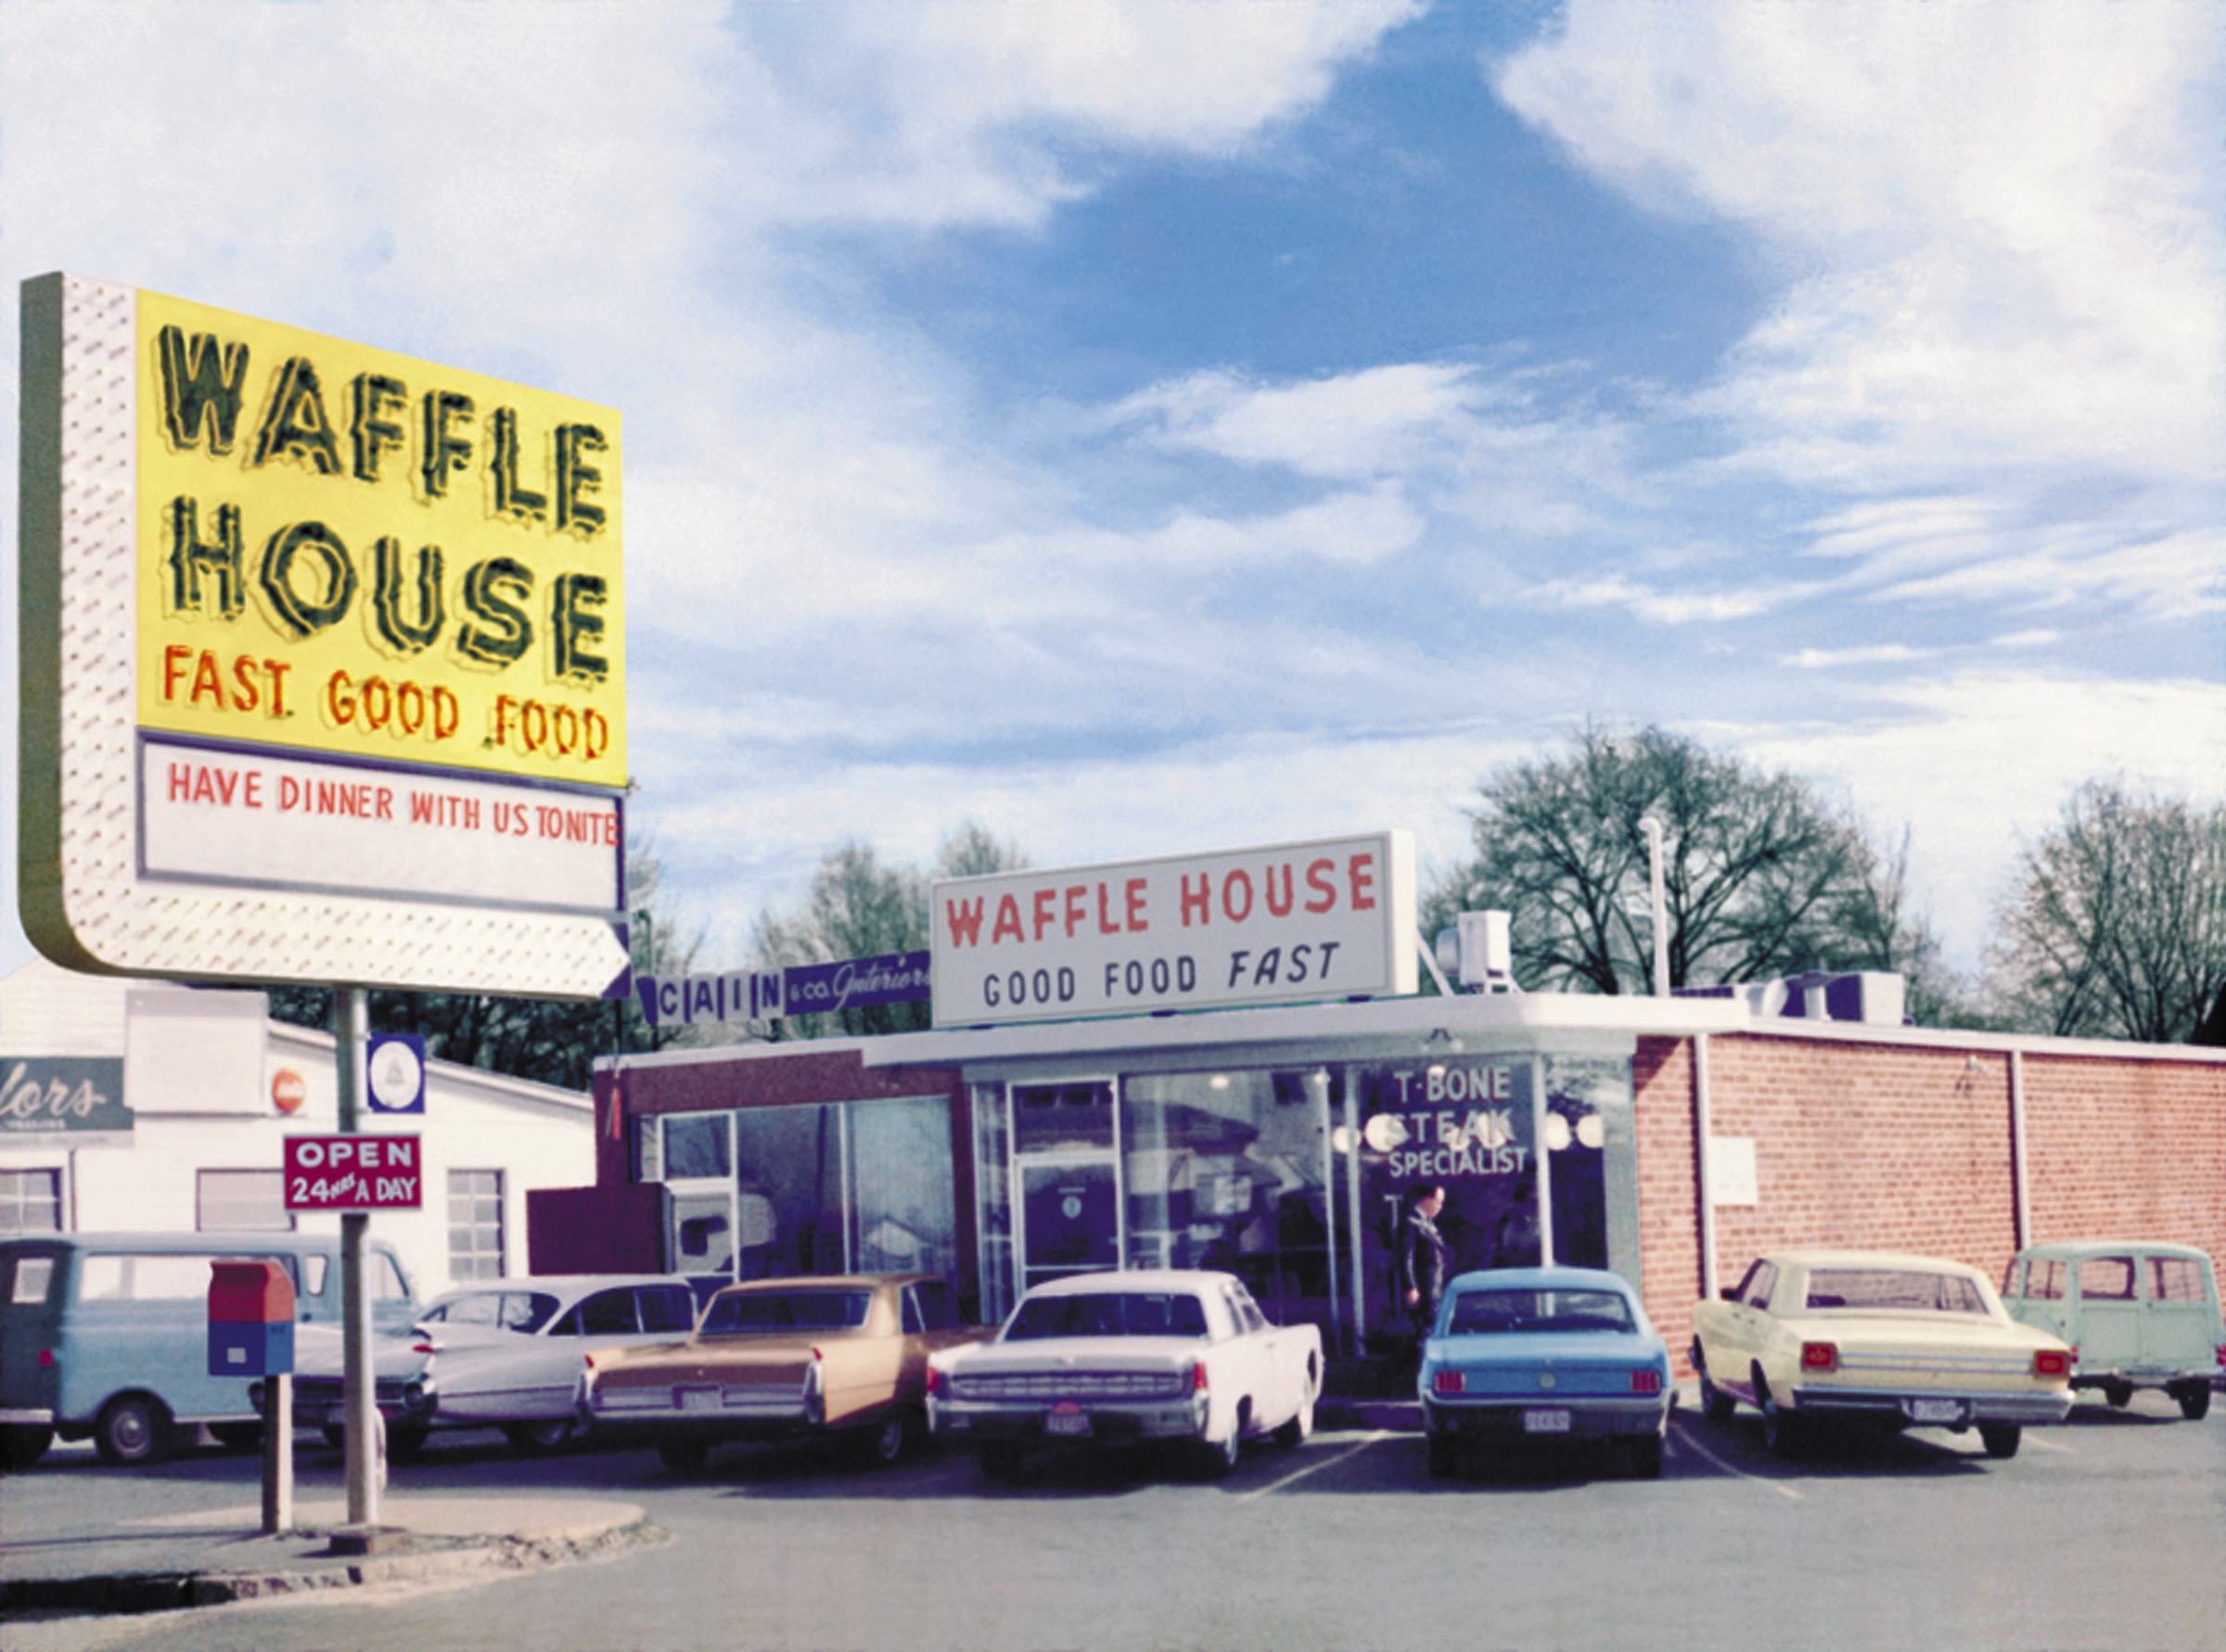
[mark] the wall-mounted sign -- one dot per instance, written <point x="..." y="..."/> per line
<point x="354" y="1173"/>
<point x="803" y="988"/>
<point x="324" y="658"/>
<point x="1327" y="918"/>
<point x="61" y="1100"/>
<point x="289" y="1091"/>
<point x="394" y="1072"/>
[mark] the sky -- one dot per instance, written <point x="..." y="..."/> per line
<point x="1145" y="429"/>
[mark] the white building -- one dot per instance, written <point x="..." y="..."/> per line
<point x="147" y="1106"/>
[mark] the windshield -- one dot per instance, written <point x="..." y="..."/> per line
<point x="1903" y="1290"/>
<point x="787" y="1311"/>
<point x="1108" y="1313"/>
<point x="1485" y="1312"/>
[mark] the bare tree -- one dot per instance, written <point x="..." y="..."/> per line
<point x="860" y="908"/>
<point x="1762" y="878"/>
<point x="2116" y="924"/>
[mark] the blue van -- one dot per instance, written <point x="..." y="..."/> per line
<point x="107" y="1334"/>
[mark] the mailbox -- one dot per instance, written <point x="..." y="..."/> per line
<point x="251" y="1319"/>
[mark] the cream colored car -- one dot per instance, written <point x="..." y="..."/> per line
<point x="1879" y="1340"/>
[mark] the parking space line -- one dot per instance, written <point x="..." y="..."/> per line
<point x="1686" y="1439"/>
<point x="1299" y="1474"/>
<point x="2050" y="1445"/>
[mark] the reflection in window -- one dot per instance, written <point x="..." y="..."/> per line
<point x="2177" y="1279"/>
<point x="2107" y="1278"/>
<point x="902" y="1221"/>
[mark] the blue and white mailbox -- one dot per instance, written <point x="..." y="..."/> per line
<point x="251" y="1319"/>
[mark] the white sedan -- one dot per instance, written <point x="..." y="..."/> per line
<point x="1112" y="1358"/>
<point x="505" y="1353"/>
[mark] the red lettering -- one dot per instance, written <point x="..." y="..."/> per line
<point x="1279" y="908"/>
<point x="173" y="667"/>
<point x="1044" y="917"/>
<point x="1076" y="907"/>
<point x="1008" y="921"/>
<point x="1362" y="867"/>
<point x="1106" y="925"/>
<point x="243" y="673"/>
<point x="965" y="919"/>
<point x="1137" y="921"/>
<point x="181" y="782"/>
<point x="207" y="681"/>
<point x="1318" y="875"/>
<point x="1240" y="878"/>
<point x="1199" y="900"/>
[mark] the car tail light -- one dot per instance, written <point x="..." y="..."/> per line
<point x="46" y="1358"/>
<point x="1449" y="1382"/>
<point x="2221" y="1354"/>
<point x="1197" y="1377"/>
<point x="1646" y="1382"/>
<point x="2052" y="1362"/>
<point x="1819" y="1356"/>
<point x="935" y="1380"/>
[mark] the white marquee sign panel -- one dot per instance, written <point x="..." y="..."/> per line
<point x="1331" y="918"/>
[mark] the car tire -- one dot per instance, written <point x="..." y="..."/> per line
<point x="1646" y="1456"/>
<point x="1217" y="1458"/>
<point x="405" y="1440"/>
<point x="883" y="1442"/>
<point x="1445" y="1454"/>
<point x="21" y="1444"/>
<point x="2195" y="1400"/>
<point x="1001" y="1460"/>
<point x="2001" y="1438"/>
<point x="1715" y="1404"/>
<point x="1300" y="1427"/>
<point x="336" y="1436"/>
<point x="132" y="1429"/>
<point x="682" y="1456"/>
<point x="1782" y="1431"/>
<point x="237" y="1437"/>
<point x="2119" y="1394"/>
<point x="543" y="1434"/>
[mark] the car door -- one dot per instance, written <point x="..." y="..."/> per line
<point x="1742" y="1330"/>
<point x="2180" y="1314"/>
<point x="2109" y="1310"/>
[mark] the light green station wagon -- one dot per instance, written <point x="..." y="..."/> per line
<point x="2142" y="1314"/>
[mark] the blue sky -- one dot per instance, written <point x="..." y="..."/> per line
<point x="1157" y="428"/>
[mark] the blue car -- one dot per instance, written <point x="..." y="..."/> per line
<point x="1545" y="1354"/>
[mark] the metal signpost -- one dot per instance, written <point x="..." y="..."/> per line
<point x="323" y="682"/>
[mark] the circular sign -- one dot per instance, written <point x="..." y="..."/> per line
<point x="288" y="1090"/>
<point x="395" y="1075"/>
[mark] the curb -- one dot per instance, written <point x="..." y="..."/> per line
<point x="425" y="1559"/>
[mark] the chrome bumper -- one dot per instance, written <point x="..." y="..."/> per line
<point x="1916" y="1408"/>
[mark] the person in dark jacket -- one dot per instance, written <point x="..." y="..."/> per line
<point x="1419" y="1270"/>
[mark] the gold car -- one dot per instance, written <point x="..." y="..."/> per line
<point x="1876" y="1338"/>
<point x="778" y="1358"/>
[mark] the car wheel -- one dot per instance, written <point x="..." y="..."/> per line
<point x="543" y="1434"/>
<point x="2195" y="1400"/>
<point x="21" y="1444"/>
<point x="1297" y="1431"/>
<point x="336" y="1437"/>
<point x="682" y="1456"/>
<point x="1646" y="1456"/>
<point x="883" y="1442"/>
<point x="2119" y="1394"/>
<point x="2001" y="1438"/>
<point x="1715" y="1404"/>
<point x="1001" y="1460"/>
<point x="404" y="1441"/>
<point x="132" y="1429"/>
<point x="1445" y="1455"/>
<point x="1780" y="1429"/>
<point x="1217" y="1458"/>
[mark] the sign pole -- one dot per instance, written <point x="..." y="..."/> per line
<point x="359" y="1393"/>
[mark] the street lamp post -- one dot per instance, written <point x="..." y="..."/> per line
<point x="1661" y="900"/>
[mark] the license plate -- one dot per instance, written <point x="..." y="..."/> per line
<point x="1070" y="1420"/>
<point x="1545" y="1422"/>
<point x="1936" y="1411"/>
<point x="696" y="1399"/>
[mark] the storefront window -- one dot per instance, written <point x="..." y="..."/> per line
<point x="993" y="1195"/>
<point x="789" y="1165"/>
<point x="1231" y="1170"/>
<point x="903" y="1215"/>
<point x="1591" y="1143"/>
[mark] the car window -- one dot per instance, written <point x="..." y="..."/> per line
<point x="2046" y="1279"/>
<point x="937" y="1306"/>
<point x="312" y="1274"/>
<point x="2177" y="1279"/>
<point x="482" y="1308"/>
<point x="33" y="1275"/>
<point x="608" y="1314"/>
<point x="787" y="1310"/>
<point x="2107" y="1279"/>
<point x="1108" y="1313"/>
<point x="155" y="1277"/>
<point x="667" y="1308"/>
<point x="1244" y="1311"/>
<point x="1907" y="1290"/>
<point x="526" y="1311"/>
<point x="1754" y="1290"/>
<point x="1485" y="1312"/>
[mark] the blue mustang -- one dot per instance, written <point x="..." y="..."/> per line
<point x="1544" y="1353"/>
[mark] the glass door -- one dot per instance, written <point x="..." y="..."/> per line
<point x="1069" y="1216"/>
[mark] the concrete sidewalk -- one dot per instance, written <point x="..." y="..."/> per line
<point x="223" y="1554"/>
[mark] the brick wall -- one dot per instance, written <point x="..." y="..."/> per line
<point x="1880" y="1145"/>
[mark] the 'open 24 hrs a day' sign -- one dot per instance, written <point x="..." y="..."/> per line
<point x="324" y="658"/>
<point x="354" y="1173"/>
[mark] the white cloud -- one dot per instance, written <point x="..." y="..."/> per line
<point x="1824" y="658"/>
<point x="1999" y="222"/>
